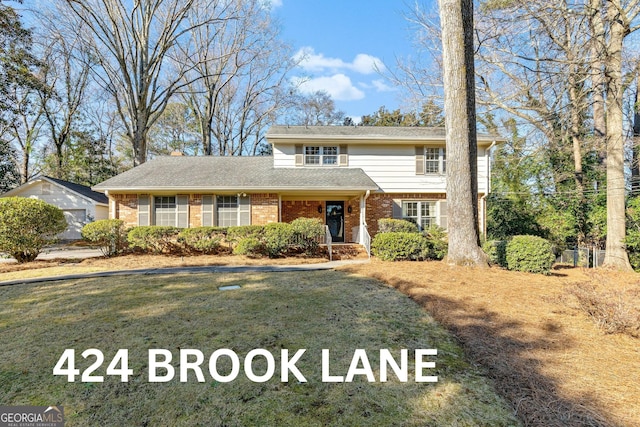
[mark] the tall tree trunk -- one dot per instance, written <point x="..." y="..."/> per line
<point x="616" y="254"/>
<point x="597" y="81"/>
<point x="635" y="165"/>
<point x="456" y="17"/>
<point x="576" y="102"/>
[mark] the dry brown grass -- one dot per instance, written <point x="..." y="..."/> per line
<point x="550" y="360"/>
<point x="302" y="310"/>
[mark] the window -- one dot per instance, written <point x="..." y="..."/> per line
<point x="425" y="213"/>
<point x="165" y="209"/>
<point x="227" y="211"/>
<point x="321" y="156"/>
<point x="435" y="160"/>
<point x="422" y="213"/>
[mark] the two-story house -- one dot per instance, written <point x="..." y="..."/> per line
<point x="348" y="177"/>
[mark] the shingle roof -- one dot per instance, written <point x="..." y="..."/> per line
<point x="80" y="189"/>
<point x="369" y="132"/>
<point x="233" y="173"/>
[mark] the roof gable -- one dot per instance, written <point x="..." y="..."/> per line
<point x="81" y="190"/>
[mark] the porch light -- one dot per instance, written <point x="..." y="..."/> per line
<point x="319" y="208"/>
<point x="349" y="209"/>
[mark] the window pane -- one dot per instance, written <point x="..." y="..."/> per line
<point x="227" y="210"/>
<point x="410" y="209"/>
<point x="432" y="160"/>
<point x="165" y="210"/>
<point x="444" y="160"/>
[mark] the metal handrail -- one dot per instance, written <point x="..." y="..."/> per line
<point x="366" y="239"/>
<point x="328" y="241"/>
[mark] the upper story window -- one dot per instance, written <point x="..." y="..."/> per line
<point x="321" y="156"/>
<point x="435" y="159"/>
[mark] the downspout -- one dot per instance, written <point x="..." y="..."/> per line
<point x="483" y="199"/>
<point x="363" y="215"/>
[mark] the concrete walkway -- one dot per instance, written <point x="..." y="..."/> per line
<point x="62" y="251"/>
<point x="192" y="270"/>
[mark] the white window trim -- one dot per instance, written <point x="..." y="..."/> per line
<point x="441" y="161"/>
<point x="175" y="209"/>
<point x="321" y="156"/>
<point x="418" y="219"/>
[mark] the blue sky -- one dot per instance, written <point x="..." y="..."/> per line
<point x="343" y="42"/>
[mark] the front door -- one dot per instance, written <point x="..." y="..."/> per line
<point x="335" y="220"/>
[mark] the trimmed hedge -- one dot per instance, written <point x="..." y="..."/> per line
<point x="206" y="240"/>
<point x="497" y="252"/>
<point x="109" y="234"/>
<point x="439" y="241"/>
<point x="530" y="254"/>
<point x="306" y="232"/>
<point x="390" y="225"/>
<point x="153" y="238"/>
<point x="278" y="236"/>
<point x="239" y="232"/>
<point x="401" y="246"/>
<point x="27" y="225"/>
<point x="251" y="247"/>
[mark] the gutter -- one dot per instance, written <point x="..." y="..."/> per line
<point x="483" y="199"/>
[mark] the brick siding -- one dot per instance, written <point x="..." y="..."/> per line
<point x="195" y="210"/>
<point x="264" y="208"/>
<point x="126" y="208"/>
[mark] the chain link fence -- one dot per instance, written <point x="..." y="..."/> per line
<point x="582" y="257"/>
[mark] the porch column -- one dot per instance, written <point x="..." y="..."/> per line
<point x="363" y="216"/>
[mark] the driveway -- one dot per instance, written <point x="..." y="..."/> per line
<point x="62" y="251"/>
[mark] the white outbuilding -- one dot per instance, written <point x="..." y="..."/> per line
<point x="79" y="203"/>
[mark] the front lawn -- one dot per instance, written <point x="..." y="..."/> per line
<point x="313" y="311"/>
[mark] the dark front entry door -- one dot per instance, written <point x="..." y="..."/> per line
<point x="335" y="220"/>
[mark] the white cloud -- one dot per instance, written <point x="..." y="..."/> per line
<point x="338" y="86"/>
<point x="367" y="64"/>
<point x="363" y="63"/>
<point x="381" y="86"/>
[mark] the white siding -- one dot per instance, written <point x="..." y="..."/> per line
<point x="78" y="210"/>
<point x="392" y="167"/>
<point x="284" y="156"/>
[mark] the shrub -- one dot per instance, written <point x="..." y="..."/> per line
<point x="277" y="238"/>
<point x="251" y="247"/>
<point x="390" y="225"/>
<point x="529" y="254"/>
<point x="27" y="225"/>
<point x="497" y="252"/>
<point x="237" y="233"/>
<point x="306" y="233"/>
<point x="153" y="238"/>
<point x="398" y="246"/>
<point x="202" y="239"/>
<point x="109" y="234"/>
<point x="438" y="242"/>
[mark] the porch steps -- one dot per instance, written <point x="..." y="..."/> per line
<point x="342" y="251"/>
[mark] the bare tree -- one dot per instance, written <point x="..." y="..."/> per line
<point x="314" y="109"/>
<point x="132" y="42"/>
<point x="67" y="74"/>
<point x="456" y="17"/>
<point x="237" y="82"/>
<point x="616" y="21"/>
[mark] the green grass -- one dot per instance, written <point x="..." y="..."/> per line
<point x="313" y="310"/>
